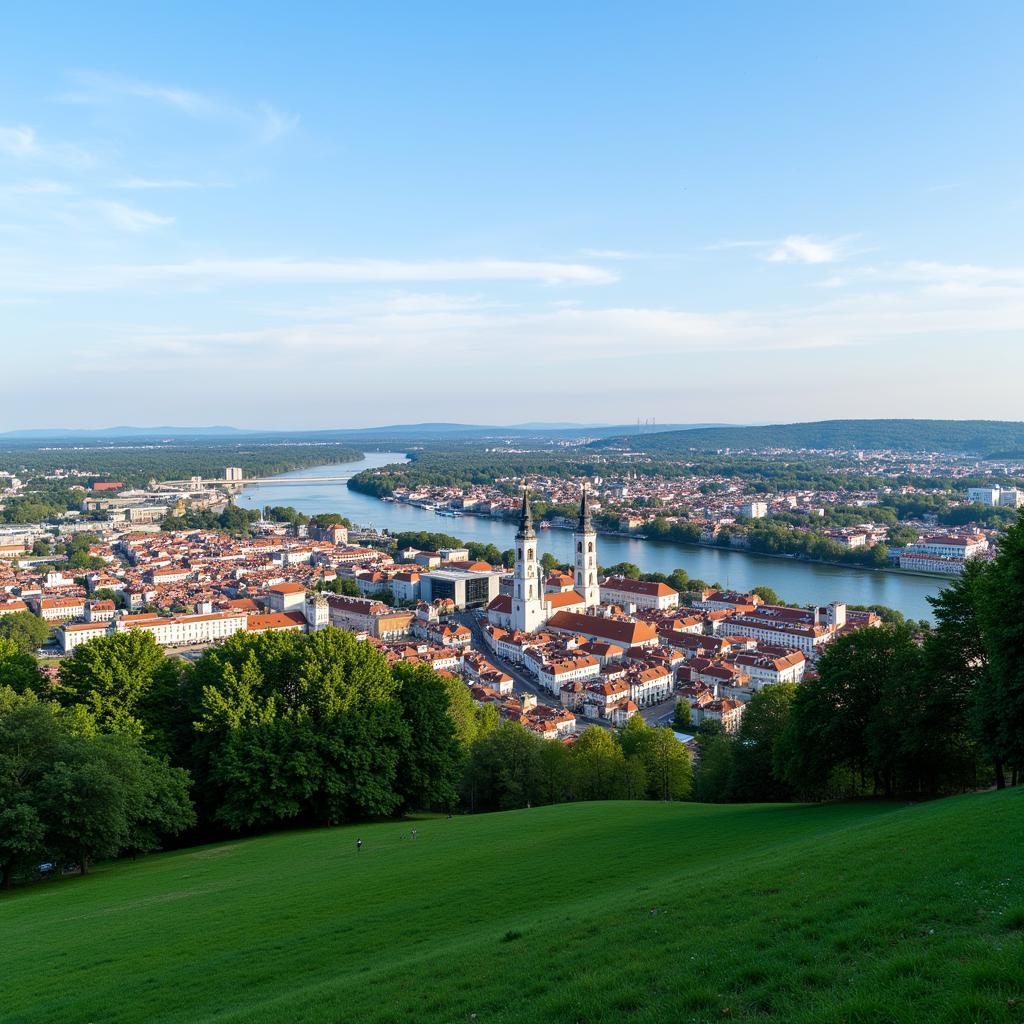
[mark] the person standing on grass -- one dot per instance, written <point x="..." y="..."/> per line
<point x="359" y="845"/>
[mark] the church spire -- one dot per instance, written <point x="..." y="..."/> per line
<point x="585" y="525"/>
<point x="525" y="517"/>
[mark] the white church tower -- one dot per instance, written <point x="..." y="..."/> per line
<point x="527" y="596"/>
<point x="585" y="542"/>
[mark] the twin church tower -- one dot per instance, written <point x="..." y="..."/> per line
<point x="529" y="609"/>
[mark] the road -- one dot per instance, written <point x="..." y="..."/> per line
<point x="519" y="677"/>
<point x="656" y="714"/>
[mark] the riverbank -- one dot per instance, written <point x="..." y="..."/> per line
<point x="799" y="582"/>
<point x="683" y="544"/>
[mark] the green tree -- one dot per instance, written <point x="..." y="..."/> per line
<point x="627" y="569"/>
<point x="26" y="630"/>
<point x="1001" y="615"/>
<point x="764" y="721"/>
<point x="106" y="794"/>
<point x="30" y="739"/>
<point x="432" y="762"/>
<point x="682" y="717"/>
<point x="852" y="718"/>
<point x="297" y="727"/>
<point x="125" y="680"/>
<point x="714" y="771"/>
<point x="667" y="763"/>
<point x="68" y="792"/>
<point x="504" y="769"/>
<point x="18" y="669"/>
<point x="598" y="765"/>
<point x="767" y="595"/>
<point x="554" y="772"/>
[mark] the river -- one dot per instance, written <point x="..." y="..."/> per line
<point x="795" y="581"/>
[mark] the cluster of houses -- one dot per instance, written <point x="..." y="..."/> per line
<point x="600" y="649"/>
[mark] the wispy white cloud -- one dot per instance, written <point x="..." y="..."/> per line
<point x="795" y="248"/>
<point x="138" y="184"/>
<point x="130" y="218"/>
<point x="264" y="121"/>
<point x="272" y="123"/>
<point x="804" y="249"/>
<point x="22" y="143"/>
<point x="223" y="273"/>
<point x="18" y="140"/>
<point x="38" y="187"/>
<point x="957" y="273"/>
<point x="612" y="254"/>
<point x="627" y="339"/>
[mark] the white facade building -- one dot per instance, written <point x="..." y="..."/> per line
<point x="623" y="591"/>
<point x="585" y="545"/>
<point x="528" y="611"/>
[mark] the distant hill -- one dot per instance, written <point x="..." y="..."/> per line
<point x="629" y="912"/>
<point x="398" y="431"/>
<point x="976" y="437"/>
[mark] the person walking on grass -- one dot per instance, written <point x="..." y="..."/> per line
<point x="359" y="845"/>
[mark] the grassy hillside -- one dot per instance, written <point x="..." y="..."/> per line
<point x="585" y="912"/>
<point x="973" y="436"/>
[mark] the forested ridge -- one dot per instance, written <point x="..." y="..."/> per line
<point x="969" y="436"/>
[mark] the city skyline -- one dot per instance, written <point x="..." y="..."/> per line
<point x="355" y="218"/>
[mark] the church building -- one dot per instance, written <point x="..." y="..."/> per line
<point x="529" y="607"/>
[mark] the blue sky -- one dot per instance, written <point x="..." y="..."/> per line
<point x="313" y="215"/>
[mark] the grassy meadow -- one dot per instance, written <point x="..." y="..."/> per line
<point x="589" y="912"/>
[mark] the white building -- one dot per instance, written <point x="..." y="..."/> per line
<point x="569" y="668"/>
<point x="56" y="609"/>
<point x="623" y="591"/>
<point x="527" y="584"/>
<point x="983" y="495"/>
<point x="286" y="597"/>
<point x="405" y="585"/>
<point x="1007" y="497"/>
<point x="963" y="546"/>
<point x="585" y="544"/>
<point x="168" y="631"/>
<point x="754" y="509"/>
<point x="317" y="612"/>
<point x="770" y="667"/>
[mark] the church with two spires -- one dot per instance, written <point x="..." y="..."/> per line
<point x="532" y="602"/>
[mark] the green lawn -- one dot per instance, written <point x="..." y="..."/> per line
<point x="580" y="913"/>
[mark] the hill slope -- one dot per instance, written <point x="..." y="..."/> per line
<point x="586" y="912"/>
<point x="971" y="436"/>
